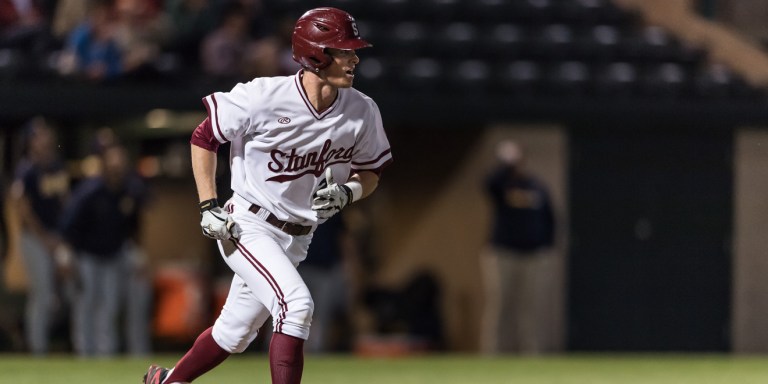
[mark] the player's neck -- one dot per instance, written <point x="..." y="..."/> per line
<point x="320" y="93"/>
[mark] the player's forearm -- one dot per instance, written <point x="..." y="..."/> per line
<point x="204" y="171"/>
<point x="368" y="180"/>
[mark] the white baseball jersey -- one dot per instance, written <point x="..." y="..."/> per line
<point x="281" y="145"/>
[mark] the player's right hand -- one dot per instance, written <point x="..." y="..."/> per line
<point x="324" y="208"/>
<point x="217" y="224"/>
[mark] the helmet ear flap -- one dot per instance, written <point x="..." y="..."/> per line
<point x="310" y="55"/>
<point x="327" y="59"/>
<point x="315" y="64"/>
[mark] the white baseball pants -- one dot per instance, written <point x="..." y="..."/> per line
<point x="266" y="282"/>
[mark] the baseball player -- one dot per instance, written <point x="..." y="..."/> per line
<point x="302" y="148"/>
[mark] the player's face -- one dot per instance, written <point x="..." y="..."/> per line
<point x="341" y="71"/>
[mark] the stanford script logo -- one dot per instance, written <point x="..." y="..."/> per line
<point x="291" y="165"/>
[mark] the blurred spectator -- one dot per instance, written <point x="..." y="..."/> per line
<point x="243" y="45"/>
<point x="260" y="24"/>
<point x="140" y="32"/>
<point x="138" y="288"/>
<point x="39" y="192"/>
<point x="522" y="228"/>
<point x="192" y="20"/>
<point x="262" y="55"/>
<point x="284" y="32"/>
<point x="327" y="273"/>
<point x="67" y="16"/>
<point x="272" y="55"/>
<point x="99" y="224"/>
<point x="92" y="51"/>
<point x="263" y="58"/>
<point x="23" y="25"/>
<point x="223" y="50"/>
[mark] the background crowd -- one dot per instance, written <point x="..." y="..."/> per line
<point x="110" y="40"/>
<point x="79" y="244"/>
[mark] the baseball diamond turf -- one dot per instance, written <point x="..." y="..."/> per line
<point x="442" y="369"/>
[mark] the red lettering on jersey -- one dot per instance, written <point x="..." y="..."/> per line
<point x="275" y="165"/>
<point x="313" y="162"/>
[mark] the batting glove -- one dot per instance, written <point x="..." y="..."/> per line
<point x="324" y="209"/>
<point x="216" y="222"/>
<point x="332" y="199"/>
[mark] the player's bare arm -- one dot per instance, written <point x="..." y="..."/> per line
<point x="215" y="222"/>
<point x="368" y="180"/>
<point x="204" y="171"/>
<point x="203" y="149"/>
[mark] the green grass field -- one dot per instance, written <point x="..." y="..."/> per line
<point x="442" y="369"/>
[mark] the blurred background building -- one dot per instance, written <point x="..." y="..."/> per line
<point x="648" y="120"/>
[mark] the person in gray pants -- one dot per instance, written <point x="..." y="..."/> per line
<point x="99" y="223"/>
<point x="38" y="193"/>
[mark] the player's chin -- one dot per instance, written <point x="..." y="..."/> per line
<point x="345" y="82"/>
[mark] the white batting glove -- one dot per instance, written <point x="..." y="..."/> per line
<point x="332" y="199"/>
<point x="216" y="222"/>
<point x="323" y="209"/>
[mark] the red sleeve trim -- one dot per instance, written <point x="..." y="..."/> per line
<point x="374" y="160"/>
<point x="377" y="171"/>
<point x="203" y="136"/>
<point x="214" y="112"/>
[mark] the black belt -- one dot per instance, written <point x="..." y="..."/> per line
<point x="289" y="228"/>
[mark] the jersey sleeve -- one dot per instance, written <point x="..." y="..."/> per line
<point x="372" y="147"/>
<point x="231" y="112"/>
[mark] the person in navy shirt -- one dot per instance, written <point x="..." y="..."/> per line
<point x="515" y="262"/>
<point x="38" y="193"/>
<point x="100" y="220"/>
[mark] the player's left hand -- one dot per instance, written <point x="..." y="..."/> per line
<point x="218" y="225"/>
<point x="332" y="199"/>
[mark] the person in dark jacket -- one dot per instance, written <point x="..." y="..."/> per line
<point x="522" y="230"/>
<point x="98" y="223"/>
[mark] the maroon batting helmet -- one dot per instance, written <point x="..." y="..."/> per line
<point x="322" y="28"/>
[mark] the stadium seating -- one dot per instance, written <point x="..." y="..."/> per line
<point x="519" y="78"/>
<point x="590" y="48"/>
